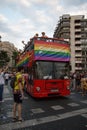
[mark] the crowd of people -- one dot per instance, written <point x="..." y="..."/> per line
<point x="79" y="82"/>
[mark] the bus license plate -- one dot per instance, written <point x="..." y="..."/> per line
<point x="54" y="90"/>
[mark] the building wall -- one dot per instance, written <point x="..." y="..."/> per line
<point x="74" y="32"/>
<point x="72" y="43"/>
<point x="84" y="44"/>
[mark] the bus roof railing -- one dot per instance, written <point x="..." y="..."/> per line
<point x="45" y="39"/>
<point x="48" y="39"/>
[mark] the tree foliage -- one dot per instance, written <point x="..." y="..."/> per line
<point x="15" y="53"/>
<point x="14" y="56"/>
<point x="4" y="58"/>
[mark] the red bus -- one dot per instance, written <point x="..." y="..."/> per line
<point x="47" y="61"/>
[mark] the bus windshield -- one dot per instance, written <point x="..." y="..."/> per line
<point x="51" y="70"/>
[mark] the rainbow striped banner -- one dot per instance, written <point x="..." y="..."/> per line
<point x="24" y="59"/>
<point x="46" y="51"/>
<point x="52" y="51"/>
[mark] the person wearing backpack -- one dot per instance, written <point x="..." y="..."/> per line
<point x="18" y="96"/>
<point x="13" y="80"/>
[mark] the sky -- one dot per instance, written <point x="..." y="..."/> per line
<point x="20" y="20"/>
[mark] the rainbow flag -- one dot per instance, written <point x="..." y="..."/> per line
<point x="24" y="59"/>
<point x="52" y="51"/>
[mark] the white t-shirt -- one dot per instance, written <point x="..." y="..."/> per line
<point x="6" y="76"/>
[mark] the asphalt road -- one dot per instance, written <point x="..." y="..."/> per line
<point x="59" y="113"/>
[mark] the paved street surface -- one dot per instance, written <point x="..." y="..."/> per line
<point x="62" y="113"/>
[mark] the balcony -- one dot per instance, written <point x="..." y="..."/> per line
<point x="78" y="30"/>
<point x="65" y="25"/>
<point x="78" y="42"/>
<point x="78" y="61"/>
<point x="66" y="30"/>
<point x="78" y="48"/>
<point x="78" y="36"/>
<point x="78" y="24"/>
<point x="78" y="68"/>
<point x="78" y="55"/>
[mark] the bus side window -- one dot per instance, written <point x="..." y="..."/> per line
<point x="30" y="79"/>
<point x="30" y="76"/>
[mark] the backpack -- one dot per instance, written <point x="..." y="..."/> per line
<point x="12" y="82"/>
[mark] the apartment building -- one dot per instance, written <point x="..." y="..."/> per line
<point x="84" y="44"/>
<point x="74" y="29"/>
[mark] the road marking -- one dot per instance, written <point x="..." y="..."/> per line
<point x="73" y="104"/>
<point x="11" y="98"/>
<point x="57" y="107"/>
<point x="84" y="115"/>
<point x="84" y="101"/>
<point x="37" y="110"/>
<point x="43" y="120"/>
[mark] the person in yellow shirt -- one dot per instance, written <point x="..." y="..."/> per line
<point x="18" y="95"/>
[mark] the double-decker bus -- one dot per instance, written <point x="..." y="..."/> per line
<point x="47" y="61"/>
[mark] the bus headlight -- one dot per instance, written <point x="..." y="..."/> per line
<point x="38" y="89"/>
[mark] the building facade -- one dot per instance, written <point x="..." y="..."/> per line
<point x="74" y="29"/>
<point x="84" y="44"/>
<point x="9" y="48"/>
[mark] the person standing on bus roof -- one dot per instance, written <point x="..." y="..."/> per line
<point x="43" y="35"/>
<point x="36" y="35"/>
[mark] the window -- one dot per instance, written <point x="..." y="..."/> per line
<point x="51" y="70"/>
